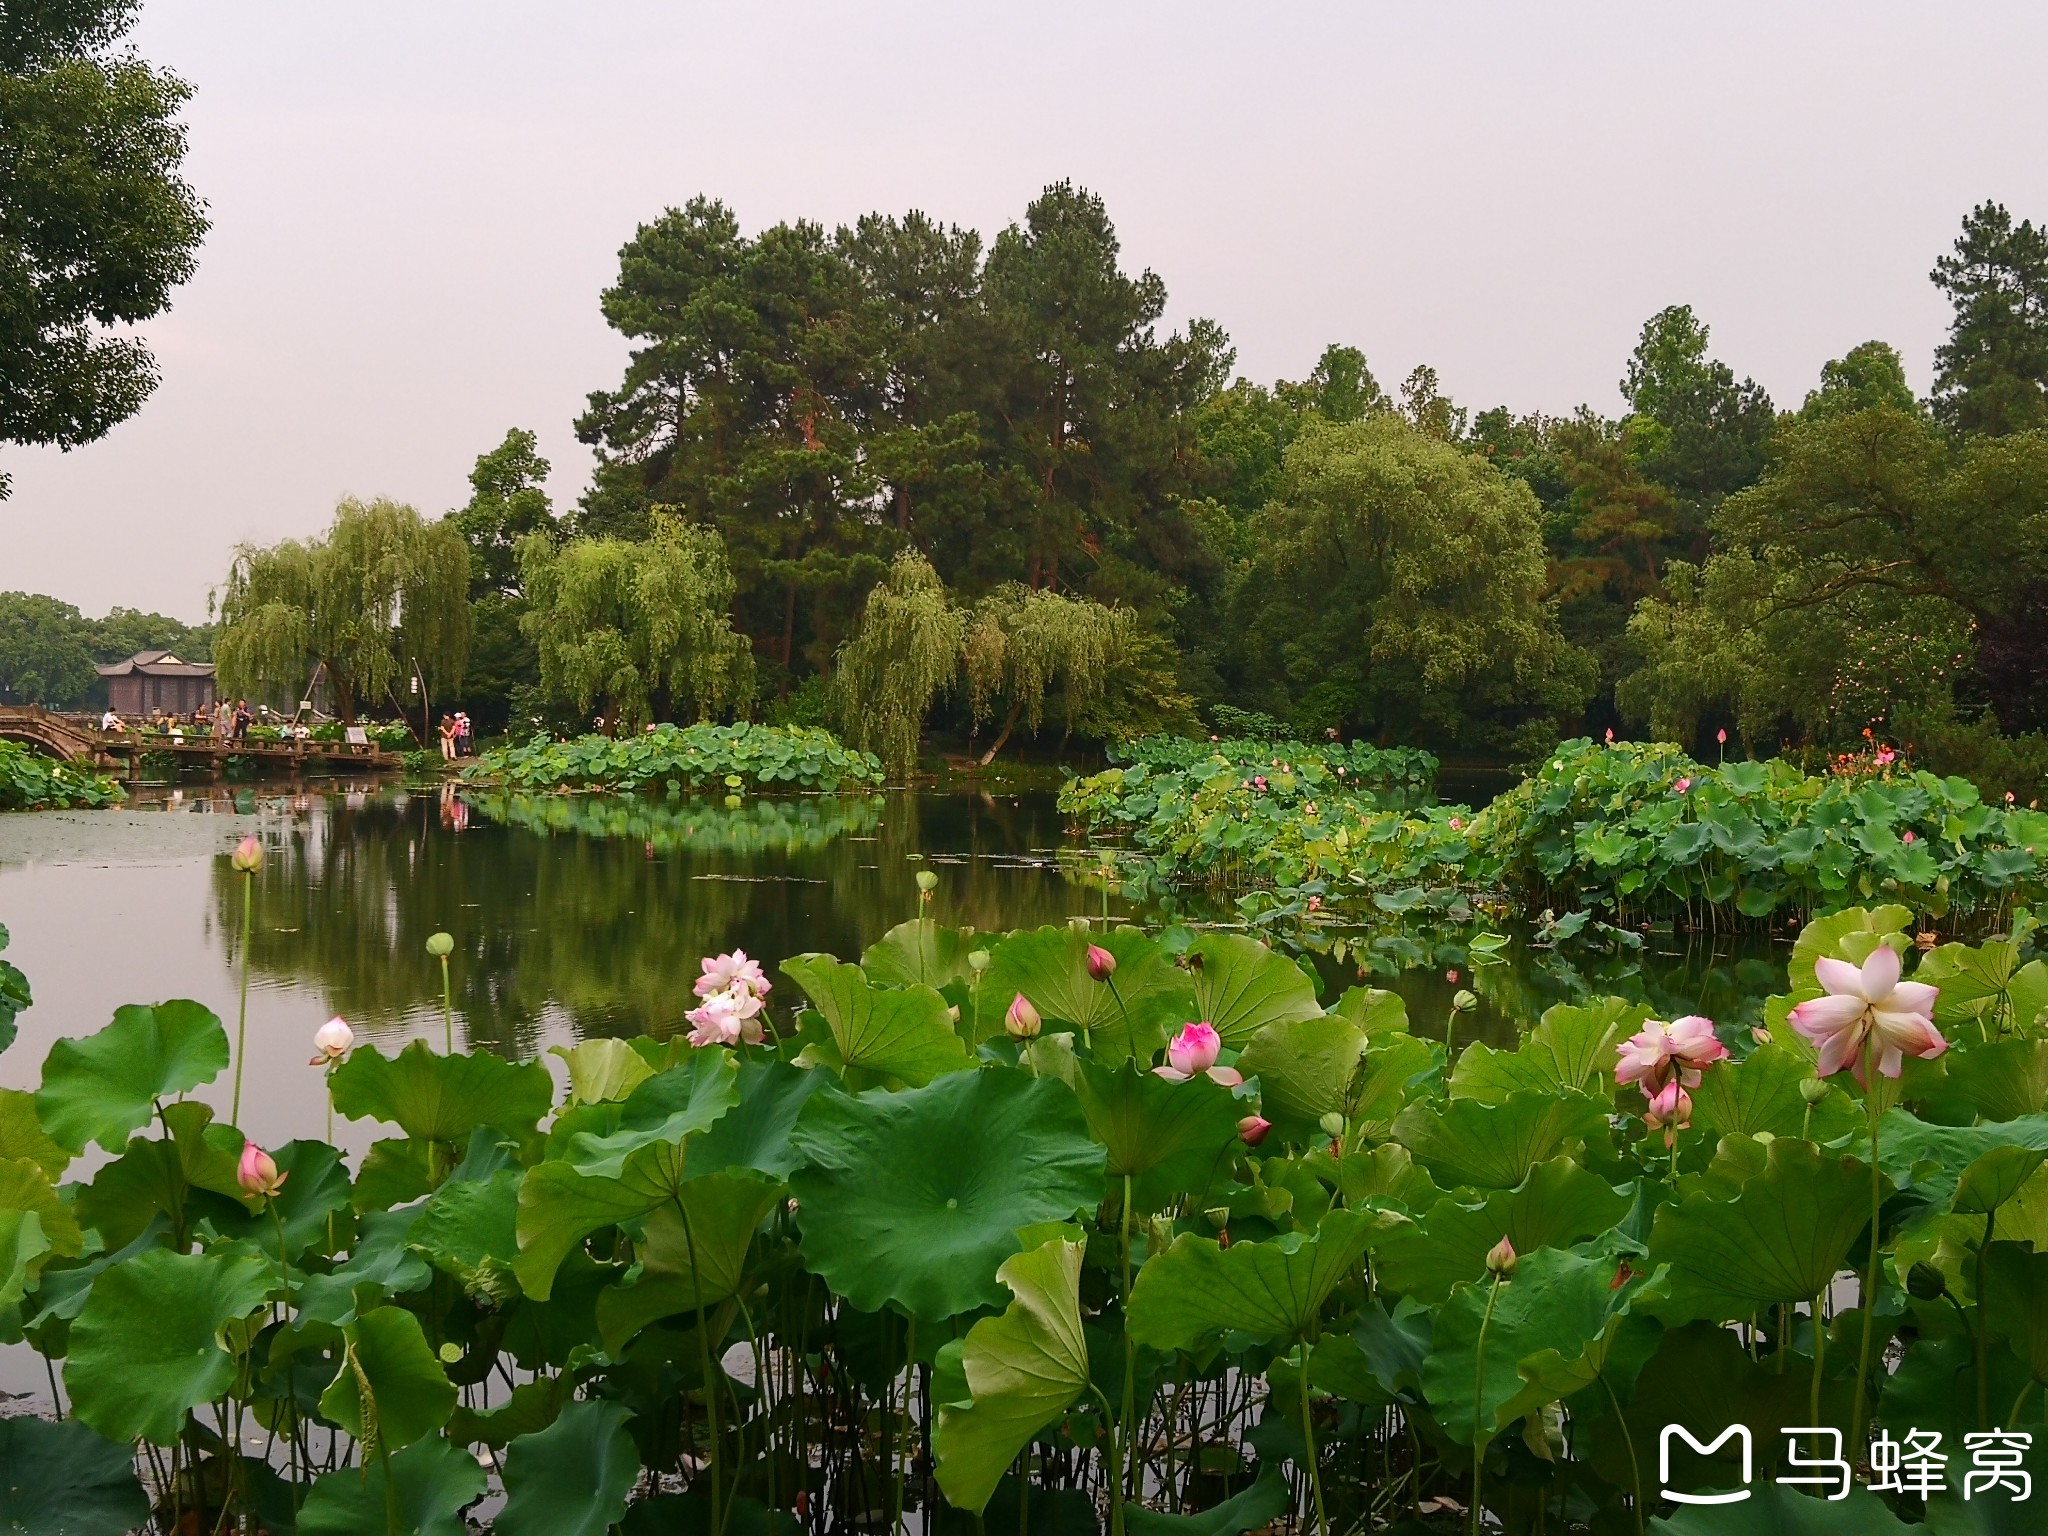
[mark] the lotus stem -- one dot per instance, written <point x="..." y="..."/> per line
<point x="1478" y="1400"/>
<point x="1308" y="1435"/>
<point x="447" y="1012"/>
<point x="242" y="1019"/>
<point x="1982" y="1331"/>
<point x="704" y="1369"/>
<point x="1870" y="1270"/>
<point x="1820" y="1357"/>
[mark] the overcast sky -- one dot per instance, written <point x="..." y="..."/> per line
<point x="415" y="206"/>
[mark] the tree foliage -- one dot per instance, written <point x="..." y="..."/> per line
<point x="381" y="591"/>
<point x="96" y="226"/>
<point x="905" y="653"/>
<point x="626" y="625"/>
<point x="1991" y="373"/>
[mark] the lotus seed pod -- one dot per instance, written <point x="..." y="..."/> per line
<point x="1813" y="1090"/>
<point x="927" y="880"/>
<point x="439" y="944"/>
<point x="977" y="960"/>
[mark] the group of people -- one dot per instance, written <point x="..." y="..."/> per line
<point x="225" y="721"/>
<point x="457" y="739"/>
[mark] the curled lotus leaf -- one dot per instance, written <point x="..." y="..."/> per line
<point x="901" y="1034"/>
<point x="106" y="1086"/>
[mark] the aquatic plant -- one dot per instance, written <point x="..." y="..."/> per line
<point x="29" y="781"/>
<point x="1125" y="1229"/>
<point x="679" y="758"/>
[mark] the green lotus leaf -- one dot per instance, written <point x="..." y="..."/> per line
<point x="1021" y="1369"/>
<point x="1557" y="1305"/>
<point x="662" y="1111"/>
<point x="1385" y="1174"/>
<point x="429" y="1484"/>
<point x="1494" y="1146"/>
<point x="1305" y="1068"/>
<point x="1241" y="986"/>
<point x="914" y="1198"/>
<point x="106" y="1086"/>
<point x="1252" y="1509"/>
<point x="14" y="996"/>
<point x="469" y="1228"/>
<point x="23" y="1248"/>
<point x="1759" y="1096"/>
<point x="755" y="1133"/>
<point x="1270" y="1289"/>
<point x="147" y="1345"/>
<point x="395" y="1171"/>
<point x="2002" y="1080"/>
<point x="24" y="1187"/>
<point x="1780" y="1239"/>
<point x="602" y="1071"/>
<point x="1932" y="1160"/>
<point x="1131" y="1015"/>
<point x="22" y="1134"/>
<point x="432" y="1097"/>
<point x="1172" y="1139"/>
<point x="1850" y="934"/>
<point x="62" y="1479"/>
<point x="683" y="1265"/>
<point x="1571" y="1050"/>
<point x="2015" y="1302"/>
<point x="560" y="1205"/>
<point x="1559" y="1204"/>
<point x="528" y="1409"/>
<point x="1397" y="1067"/>
<point x="919" y="953"/>
<point x="157" y="1177"/>
<point x="903" y="1034"/>
<point x="390" y="1384"/>
<point x="1375" y="1010"/>
<point x="572" y="1478"/>
<point x="381" y="1265"/>
<point x="1975" y="982"/>
<point x="1775" y="1510"/>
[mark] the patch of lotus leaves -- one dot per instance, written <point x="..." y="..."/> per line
<point x="913" y="1199"/>
<point x="108" y="1085"/>
<point x="420" y="1491"/>
<point x="922" y="952"/>
<point x="62" y="1479"/>
<point x="1571" y="1050"/>
<point x="1241" y="986"/>
<point x="1494" y="1146"/>
<point x="572" y="1478"/>
<point x="391" y="1389"/>
<point x="1173" y="1140"/>
<point x="692" y="1253"/>
<point x="1559" y="1204"/>
<point x="1130" y="1015"/>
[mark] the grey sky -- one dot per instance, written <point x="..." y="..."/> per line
<point x="416" y="204"/>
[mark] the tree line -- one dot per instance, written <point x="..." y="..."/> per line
<point x="48" y="649"/>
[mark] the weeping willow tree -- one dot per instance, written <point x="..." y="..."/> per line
<point x="1019" y="644"/>
<point x="623" y="625"/>
<point x="383" y="591"/>
<point x="903" y="654"/>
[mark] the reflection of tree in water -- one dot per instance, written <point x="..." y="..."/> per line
<point x="559" y="903"/>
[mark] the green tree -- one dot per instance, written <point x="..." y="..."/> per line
<point x="1020" y="644"/>
<point x="1867" y="375"/>
<point x="124" y="631"/>
<point x="96" y="227"/>
<point x="902" y="656"/>
<point x="1700" y="433"/>
<point x="381" y="592"/>
<point x="1991" y="373"/>
<point x="1399" y="592"/>
<point x="508" y="503"/>
<point x="45" y="651"/>
<point x="630" y="626"/>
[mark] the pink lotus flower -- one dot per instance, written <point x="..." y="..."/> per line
<point x="1022" y="1021"/>
<point x="727" y="1018"/>
<point x="1681" y="786"/>
<point x="1722" y="736"/>
<point x="1659" y="1054"/>
<point x="724" y="972"/>
<point x="257" y="1173"/>
<point x="1869" y="1004"/>
<point x="1457" y="823"/>
<point x="331" y="1042"/>
<point x="1100" y="962"/>
<point x="1670" y="1111"/>
<point x="1193" y="1052"/>
<point x="1251" y="1130"/>
<point x="1908" y="836"/>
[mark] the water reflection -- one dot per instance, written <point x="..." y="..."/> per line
<point x="594" y="910"/>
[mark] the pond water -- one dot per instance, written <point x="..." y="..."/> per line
<point x="576" y="916"/>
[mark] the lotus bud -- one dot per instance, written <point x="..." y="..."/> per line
<point x="1022" y="1021"/>
<point x="977" y="960"/>
<point x="257" y="1172"/>
<point x="1101" y="963"/>
<point x="331" y="1041"/>
<point x="1252" y="1129"/>
<point x="248" y="855"/>
<point x="439" y="944"/>
<point x="1813" y="1090"/>
<point x="1501" y="1259"/>
<point x="1760" y="1035"/>
<point x="1332" y="1124"/>
<point x="927" y="880"/>
<point x="1463" y="1001"/>
<point x="1925" y="1282"/>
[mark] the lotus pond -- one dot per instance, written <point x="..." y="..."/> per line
<point x="1386" y="1246"/>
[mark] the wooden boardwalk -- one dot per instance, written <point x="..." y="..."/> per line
<point x="71" y="737"/>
